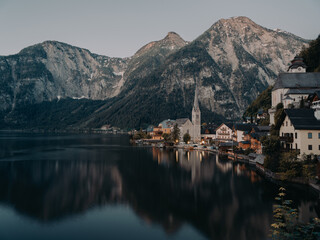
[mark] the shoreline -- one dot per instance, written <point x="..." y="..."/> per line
<point x="266" y="173"/>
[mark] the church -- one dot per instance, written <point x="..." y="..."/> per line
<point x="192" y="128"/>
<point x="293" y="86"/>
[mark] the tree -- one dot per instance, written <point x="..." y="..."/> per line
<point x="166" y="137"/>
<point x="279" y="116"/>
<point x="175" y="134"/>
<point x="290" y="166"/>
<point x="139" y="135"/>
<point x="186" y="137"/>
<point x="311" y="56"/>
<point x="271" y="149"/>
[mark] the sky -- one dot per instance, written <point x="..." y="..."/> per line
<point x="118" y="28"/>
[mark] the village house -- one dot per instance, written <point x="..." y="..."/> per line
<point x="224" y="132"/>
<point x="239" y="131"/>
<point x="157" y="133"/>
<point x="300" y="131"/>
<point x="252" y="139"/>
<point x="208" y="135"/>
<point x="167" y="125"/>
<point x="293" y="87"/>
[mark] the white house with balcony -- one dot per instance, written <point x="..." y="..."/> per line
<point x="300" y="130"/>
<point x="224" y="133"/>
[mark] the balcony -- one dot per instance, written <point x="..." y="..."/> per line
<point x="286" y="139"/>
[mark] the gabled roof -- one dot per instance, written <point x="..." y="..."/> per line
<point x="298" y="80"/>
<point x="181" y="121"/>
<point x="258" y="129"/>
<point x="226" y="124"/>
<point x="303" y="119"/>
<point x="242" y="126"/>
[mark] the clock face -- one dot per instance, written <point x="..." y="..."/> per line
<point x="299" y="69"/>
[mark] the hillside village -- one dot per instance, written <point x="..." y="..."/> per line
<point x="294" y="121"/>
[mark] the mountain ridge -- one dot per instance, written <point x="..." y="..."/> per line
<point x="233" y="61"/>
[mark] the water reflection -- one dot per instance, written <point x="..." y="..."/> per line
<point x="48" y="190"/>
<point x="170" y="188"/>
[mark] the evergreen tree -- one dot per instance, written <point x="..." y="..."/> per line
<point x="175" y="134"/>
<point x="311" y="56"/>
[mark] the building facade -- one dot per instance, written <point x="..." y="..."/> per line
<point x="300" y="131"/>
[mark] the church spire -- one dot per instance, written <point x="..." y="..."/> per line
<point x="196" y="118"/>
<point x="196" y="103"/>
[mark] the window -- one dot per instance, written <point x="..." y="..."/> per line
<point x="319" y="135"/>
<point x="295" y="135"/>
<point x="309" y="135"/>
<point x="296" y="146"/>
<point x="286" y="123"/>
<point x="319" y="147"/>
<point x="309" y="147"/>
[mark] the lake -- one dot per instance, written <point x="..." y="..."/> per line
<point x="74" y="186"/>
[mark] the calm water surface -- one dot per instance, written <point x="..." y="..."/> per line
<point x="100" y="187"/>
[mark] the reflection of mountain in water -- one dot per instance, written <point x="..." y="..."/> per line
<point x="48" y="190"/>
<point x="222" y="200"/>
<point x="184" y="187"/>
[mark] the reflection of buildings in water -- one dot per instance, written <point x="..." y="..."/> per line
<point x="160" y="155"/>
<point x="198" y="163"/>
<point x="223" y="166"/>
<point x="242" y="169"/>
<point x="191" y="190"/>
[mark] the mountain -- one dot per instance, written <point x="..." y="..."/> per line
<point x="232" y="62"/>
<point x="53" y="70"/>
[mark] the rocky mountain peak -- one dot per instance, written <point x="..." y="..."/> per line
<point x="171" y="42"/>
<point x="242" y="25"/>
<point x="175" y="39"/>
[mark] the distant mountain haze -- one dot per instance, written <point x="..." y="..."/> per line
<point x="232" y="62"/>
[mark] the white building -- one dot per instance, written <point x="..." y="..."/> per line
<point x="300" y="131"/>
<point x="293" y="86"/>
<point x="224" y="133"/>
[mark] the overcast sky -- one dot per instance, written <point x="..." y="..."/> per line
<point x="118" y="28"/>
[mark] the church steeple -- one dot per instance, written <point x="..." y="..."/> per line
<point x="297" y="65"/>
<point x="195" y="102"/>
<point x="196" y="118"/>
